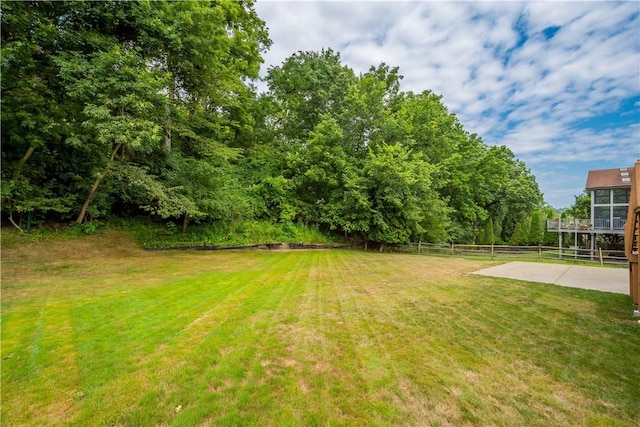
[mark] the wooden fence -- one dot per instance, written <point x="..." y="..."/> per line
<point x="532" y="253"/>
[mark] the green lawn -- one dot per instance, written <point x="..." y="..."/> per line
<point x="96" y="331"/>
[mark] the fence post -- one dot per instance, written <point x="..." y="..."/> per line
<point x="452" y="250"/>
<point x="539" y="251"/>
<point x="600" y="255"/>
<point x="491" y="251"/>
<point x="419" y="246"/>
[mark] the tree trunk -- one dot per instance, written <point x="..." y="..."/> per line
<point x="185" y="223"/>
<point x="18" y="170"/>
<point x="14" y="223"/>
<point x="95" y="185"/>
<point x="167" y="126"/>
<point x="167" y="136"/>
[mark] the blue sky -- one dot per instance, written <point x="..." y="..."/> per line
<point x="556" y="82"/>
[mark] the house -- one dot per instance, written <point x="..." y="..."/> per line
<point x="610" y="192"/>
<point x="615" y="210"/>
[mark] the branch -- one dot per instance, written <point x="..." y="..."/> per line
<point x="14" y="223"/>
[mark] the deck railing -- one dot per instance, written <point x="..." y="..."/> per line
<point x="572" y="224"/>
<point x="607" y="224"/>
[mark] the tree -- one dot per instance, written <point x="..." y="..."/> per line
<point x="518" y="236"/>
<point x="487" y="236"/>
<point x="306" y="86"/>
<point x="549" y="238"/>
<point x="536" y="228"/>
<point x="401" y="197"/>
<point x="581" y="207"/>
<point x="429" y="127"/>
<point x="513" y="193"/>
<point x="33" y="110"/>
<point x="324" y="170"/>
<point x="366" y="116"/>
<point x="275" y="199"/>
<point x="119" y="94"/>
<point x="207" y="50"/>
<point x="330" y="126"/>
<point x="148" y="108"/>
<point x="112" y="85"/>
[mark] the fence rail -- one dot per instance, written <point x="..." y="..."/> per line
<point x="601" y="256"/>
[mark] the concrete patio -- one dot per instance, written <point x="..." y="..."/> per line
<point x="614" y="280"/>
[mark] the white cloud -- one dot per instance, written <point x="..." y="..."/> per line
<point x="527" y="96"/>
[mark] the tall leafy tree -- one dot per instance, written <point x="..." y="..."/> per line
<point x="100" y="83"/>
<point x="366" y="116"/>
<point x="536" y="228"/>
<point x="488" y="236"/>
<point x="33" y="108"/>
<point x="402" y="200"/>
<point x="321" y="169"/>
<point x="512" y="191"/>
<point x="581" y="207"/>
<point x="119" y="94"/>
<point x="332" y="126"/>
<point x="549" y="238"/>
<point x="306" y="86"/>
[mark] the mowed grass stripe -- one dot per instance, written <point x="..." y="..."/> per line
<point x="306" y="338"/>
<point x="575" y="352"/>
<point x="217" y="342"/>
<point x="40" y="379"/>
<point x="249" y="382"/>
<point x="386" y="363"/>
<point x="372" y="365"/>
<point x="107" y="339"/>
<point x="476" y="352"/>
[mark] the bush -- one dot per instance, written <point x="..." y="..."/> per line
<point x="249" y="232"/>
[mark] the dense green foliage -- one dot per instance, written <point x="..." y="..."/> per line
<point x="221" y="234"/>
<point x="127" y="109"/>
<point x="581" y="207"/>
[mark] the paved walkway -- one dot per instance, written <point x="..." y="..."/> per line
<point x="596" y="278"/>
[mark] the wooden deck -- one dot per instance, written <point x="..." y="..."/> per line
<point x="598" y="226"/>
<point x="632" y="238"/>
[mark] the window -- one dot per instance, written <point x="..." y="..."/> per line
<point x="601" y="212"/>
<point x="601" y="217"/>
<point x="602" y="197"/>
<point x="620" y="212"/>
<point x="619" y="217"/>
<point x="621" y="195"/>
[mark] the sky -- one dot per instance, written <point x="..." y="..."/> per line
<point x="556" y="82"/>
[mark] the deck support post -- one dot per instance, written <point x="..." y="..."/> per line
<point x="575" y="238"/>
<point x="560" y="243"/>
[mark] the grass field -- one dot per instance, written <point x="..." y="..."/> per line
<point x="96" y="331"/>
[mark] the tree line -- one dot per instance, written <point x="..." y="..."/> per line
<point x="139" y="108"/>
